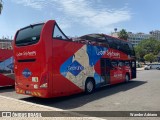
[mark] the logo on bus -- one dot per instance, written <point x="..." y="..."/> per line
<point x="26" y="73"/>
<point x="75" y="68"/>
<point x="100" y="53"/>
<point x="26" y="53"/>
<point x="113" y="54"/>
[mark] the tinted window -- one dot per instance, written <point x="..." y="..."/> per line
<point x="132" y="52"/>
<point x="123" y="46"/>
<point x="114" y="43"/>
<point x="127" y="63"/>
<point x="126" y="48"/>
<point x="111" y="43"/>
<point x="57" y="34"/>
<point x="119" y="44"/>
<point x="102" y="62"/>
<point x="133" y="64"/>
<point x="88" y="37"/>
<point x="97" y="38"/>
<point x="121" y="63"/>
<point x="29" y="35"/>
<point x="114" y="63"/>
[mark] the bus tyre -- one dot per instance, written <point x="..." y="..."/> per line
<point x="89" y="86"/>
<point x="127" y="78"/>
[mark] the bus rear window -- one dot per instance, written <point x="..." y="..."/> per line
<point x="29" y="35"/>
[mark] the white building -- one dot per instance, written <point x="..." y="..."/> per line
<point x="134" y="38"/>
<point x="5" y="44"/>
<point x="155" y="34"/>
<point x="114" y="34"/>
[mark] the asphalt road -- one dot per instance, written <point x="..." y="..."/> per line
<point x="140" y="94"/>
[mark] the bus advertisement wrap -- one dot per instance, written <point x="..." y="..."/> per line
<point x="49" y="64"/>
<point x="6" y="68"/>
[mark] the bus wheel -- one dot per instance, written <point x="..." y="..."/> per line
<point x="127" y="78"/>
<point x="89" y="86"/>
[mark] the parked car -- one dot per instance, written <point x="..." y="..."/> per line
<point x="138" y="65"/>
<point x="155" y="66"/>
<point x="147" y="67"/>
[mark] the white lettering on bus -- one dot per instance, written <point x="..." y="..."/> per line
<point x="100" y="52"/>
<point x="113" y="54"/>
<point x="27" y="73"/>
<point x="26" y="53"/>
<point x="117" y="75"/>
<point x="75" y="68"/>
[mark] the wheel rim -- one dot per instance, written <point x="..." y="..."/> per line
<point x="89" y="86"/>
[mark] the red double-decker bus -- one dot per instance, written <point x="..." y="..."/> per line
<point x="6" y="68"/>
<point x="49" y="64"/>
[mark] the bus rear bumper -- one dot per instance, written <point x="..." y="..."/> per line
<point x="43" y="93"/>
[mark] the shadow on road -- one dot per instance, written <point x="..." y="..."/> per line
<point x="7" y="89"/>
<point x="74" y="101"/>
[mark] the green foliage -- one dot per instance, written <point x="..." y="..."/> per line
<point x="146" y="47"/>
<point x="1" y="6"/>
<point x="150" y="57"/>
<point x="123" y="34"/>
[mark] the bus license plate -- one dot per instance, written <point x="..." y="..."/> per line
<point x="28" y="92"/>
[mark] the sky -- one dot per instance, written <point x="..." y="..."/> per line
<point x="80" y="17"/>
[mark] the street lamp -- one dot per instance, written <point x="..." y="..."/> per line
<point x="115" y="29"/>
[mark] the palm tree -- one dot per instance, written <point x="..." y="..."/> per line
<point x="123" y="34"/>
<point x="1" y="6"/>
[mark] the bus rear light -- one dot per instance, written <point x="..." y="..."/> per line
<point x="35" y="86"/>
<point x="44" y="85"/>
<point x="44" y="81"/>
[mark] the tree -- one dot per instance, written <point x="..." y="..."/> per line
<point x="146" y="47"/>
<point x="1" y="6"/>
<point x="123" y="34"/>
<point x="140" y="53"/>
<point x="150" y="57"/>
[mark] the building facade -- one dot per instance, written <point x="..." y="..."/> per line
<point x="134" y="38"/>
<point x="5" y="44"/>
<point x="155" y="34"/>
<point x="114" y="34"/>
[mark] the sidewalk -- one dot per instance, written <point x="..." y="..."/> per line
<point x="139" y="69"/>
<point x="18" y="106"/>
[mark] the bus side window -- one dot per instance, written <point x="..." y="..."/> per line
<point x="114" y="64"/>
<point x="121" y="64"/>
<point x="119" y="45"/>
<point x="133" y="64"/>
<point x="58" y="34"/>
<point x="131" y="49"/>
<point x="127" y="63"/>
<point x="111" y="42"/>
